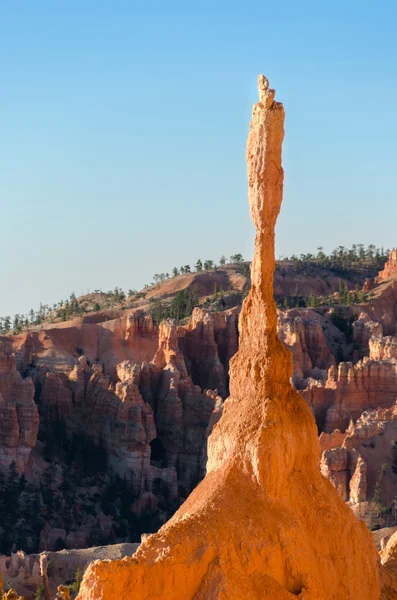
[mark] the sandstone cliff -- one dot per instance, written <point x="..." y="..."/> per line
<point x="263" y="523"/>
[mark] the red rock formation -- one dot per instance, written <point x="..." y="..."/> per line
<point x="337" y="394"/>
<point x="302" y="331"/>
<point x="332" y="440"/>
<point x="263" y="523"/>
<point x="208" y="342"/>
<point x="373" y="436"/>
<point x="358" y="482"/>
<point x="363" y="330"/>
<point x="114" y="416"/>
<point x="389" y="572"/>
<point x="25" y="572"/>
<point x="183" y="411"/>
<point x="382" y="305"/>
<point x="333" y="466"/>
<point x="350" y="390"/>
<point x="383" y="348"/>
<point x="346" y="391"/>
<point x="226" y="334"/>
<point x="347" y="471"/>
<point x="202" y="351"/>
<point x="390" y="267"/>
<point x="131" y="337"/>
<point x="155" y="400"/>
<point x="19" y="419"/>
<point x="369" y="457"/>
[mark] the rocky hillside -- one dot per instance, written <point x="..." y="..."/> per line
<point x="299" y="281"/>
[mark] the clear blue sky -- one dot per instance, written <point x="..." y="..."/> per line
<point x="123" y="127"/>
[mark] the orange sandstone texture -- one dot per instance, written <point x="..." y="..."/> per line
<point x="390" y="267"/>
<point x="264" y="523"/>
<point x="389" y="572"/>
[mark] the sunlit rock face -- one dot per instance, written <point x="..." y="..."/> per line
<point x="390" y="267"/>
<point x="264" y="523"/>
<point x="388" y="557"/>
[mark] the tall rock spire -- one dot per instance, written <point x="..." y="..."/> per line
<point x="258" y="324"/>
<point x="263" y="524"/>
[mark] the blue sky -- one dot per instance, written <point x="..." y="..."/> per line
<point x="123" y="129"/>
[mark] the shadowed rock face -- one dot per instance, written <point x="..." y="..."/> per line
<point x="263" y="523"/>
<point x="149" y="401"/>
<point x="19" y="417"/>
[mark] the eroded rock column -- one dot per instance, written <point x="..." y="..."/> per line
<point x="263" y="524"/>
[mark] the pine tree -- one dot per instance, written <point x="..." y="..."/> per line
<point x="78" y="578"/>
<point x="313" y="301"/>
<point x="342" y="293"/>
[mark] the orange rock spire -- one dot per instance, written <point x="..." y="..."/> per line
<point x="264" y="523"/>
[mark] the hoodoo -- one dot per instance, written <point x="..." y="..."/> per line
<point x="264" y="523"/>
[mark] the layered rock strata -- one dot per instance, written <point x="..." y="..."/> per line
<point x="263" y="523"/>
<point x="349" y="390"/>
